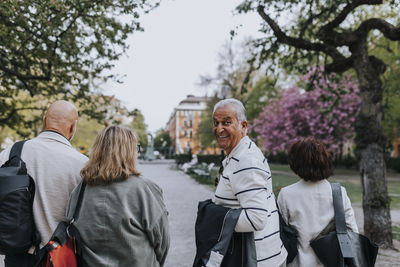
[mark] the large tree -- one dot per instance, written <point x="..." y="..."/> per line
<point x="60" y="49"/>
<point x="331" y="29"/>
<point x="140" y="128"/>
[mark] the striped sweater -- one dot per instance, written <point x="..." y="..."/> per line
<point x="246" y="183"/>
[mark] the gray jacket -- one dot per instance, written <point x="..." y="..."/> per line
<point x="122" y="224"/>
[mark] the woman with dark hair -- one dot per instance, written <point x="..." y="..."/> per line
<point x="123" y="219"/>
<point x="308" y="205"/>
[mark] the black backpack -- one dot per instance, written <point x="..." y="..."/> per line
<point x="17" y="191"/>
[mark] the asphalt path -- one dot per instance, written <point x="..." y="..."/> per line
<point x="181" y="196"/>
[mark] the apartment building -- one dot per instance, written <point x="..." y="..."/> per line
<point x="183" y="124"/>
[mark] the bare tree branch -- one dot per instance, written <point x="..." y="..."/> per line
<point x="389" y="30"/>
<point x="299" y="42"/>
<point x="346" y="11"/>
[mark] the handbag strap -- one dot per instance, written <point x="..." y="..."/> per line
<point x="79" y="202"/>
<point x="340" y="222"/>
<point x="16" y="150"/>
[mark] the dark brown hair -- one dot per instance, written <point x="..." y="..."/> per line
<point x="310" y="160"/>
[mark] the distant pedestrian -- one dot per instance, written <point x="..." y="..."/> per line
<point x="123" y="219"/>
<point x="54" y="166"/>
<point x="245" y="182"/>
<point x="308" y="204"/>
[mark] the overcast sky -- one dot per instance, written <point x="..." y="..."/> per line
<point x="181" y="41"/>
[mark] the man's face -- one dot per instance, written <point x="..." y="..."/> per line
<point x="226" y="128"/>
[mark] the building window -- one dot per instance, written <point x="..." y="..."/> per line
<point x="191" y="134"/>
<point x="184" y="133"/>
<point x="190" y="124"/>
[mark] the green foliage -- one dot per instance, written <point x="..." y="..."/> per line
<point x="263" y="91"/>
<point x="183" y="158"/>
<point x="394" y="164"/>
<point x="348" y="161"/>
<point x="87" y="130"/>
<point x="304" y="20"/>
<point x="279" y="157"/>
<point x="216" y="159"/>
<point x="390" y="53"/>
<point x="162" y="141"/>
<point x="140" y="128"/>
<point x="60" y="49"/>
<point x="204" y="131"/>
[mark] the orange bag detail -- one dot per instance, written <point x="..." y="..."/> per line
<point x="61" y="256"/>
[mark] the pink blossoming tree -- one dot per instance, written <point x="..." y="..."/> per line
<point x="325" y="108"/>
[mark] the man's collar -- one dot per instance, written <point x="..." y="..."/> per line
<point x="245" y="140"/>
<point x="55" y="136"/>
<point x="56" y="133"/>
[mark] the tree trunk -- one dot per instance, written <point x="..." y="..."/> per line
<point x="371" y="143"/>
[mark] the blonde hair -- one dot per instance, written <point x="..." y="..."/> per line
<point x="112" y="157"/>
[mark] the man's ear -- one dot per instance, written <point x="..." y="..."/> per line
<point x="44" y="122"/>
<point x="72" y="128"/>
<point x="244" y="124"/>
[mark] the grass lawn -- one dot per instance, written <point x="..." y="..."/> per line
<point x="352" y="185"/>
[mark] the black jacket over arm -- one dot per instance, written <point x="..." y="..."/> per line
<point x="216" y="243"/>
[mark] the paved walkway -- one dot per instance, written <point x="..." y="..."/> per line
<point x="181" y="195"/>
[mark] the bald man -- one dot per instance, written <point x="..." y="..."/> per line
<point x="54" y="166"/>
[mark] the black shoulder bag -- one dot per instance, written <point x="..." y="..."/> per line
<point x="289" y="237"/>
<point x="17" y="191"/>
<point x="342" y="247"/>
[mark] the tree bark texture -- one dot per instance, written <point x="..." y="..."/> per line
<point x="371" y="143"/>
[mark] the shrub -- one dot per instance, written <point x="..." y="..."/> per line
<point x="348" y="161"/>
<point x="182" y="158"/>
<point x="279" y="157"/>
<point x="216" y="159"/>
<point x="394" y="164"/>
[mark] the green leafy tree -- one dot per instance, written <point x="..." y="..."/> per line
<point x="258" y="96"/>
<point x="140" y="128"/>
<point x="162" y="142"/>
<point x="390" y="53"/>
<point x="333" y="32"/>
<point x="87" y="130"/>
<point x="60" y="49"/>
<point x="234" y="78"/>
<point x="204" y="132"/>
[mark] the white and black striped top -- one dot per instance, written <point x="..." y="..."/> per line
<point x="246" y="183"/>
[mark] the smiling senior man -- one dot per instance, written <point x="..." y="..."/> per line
<point x="246" y="183"/>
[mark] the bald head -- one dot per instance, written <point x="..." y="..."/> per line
<point x="61" y="117"/>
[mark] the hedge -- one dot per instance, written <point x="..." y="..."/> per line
<point x="394" y="164"/>
<point x="182" y="158"/>
<point x="216" y="159"/>
<point x="347" y="161"/>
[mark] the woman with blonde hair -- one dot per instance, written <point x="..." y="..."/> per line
<point x="122" y="220"/>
